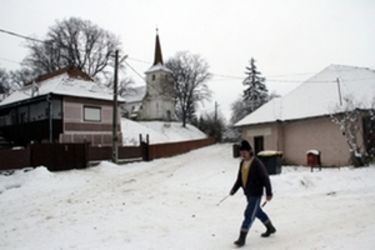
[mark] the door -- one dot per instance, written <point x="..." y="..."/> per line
<point x="258" y="144"/>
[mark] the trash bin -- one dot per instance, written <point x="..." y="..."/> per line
<point x="236" y="150"/>
<point x="272" y="161"/>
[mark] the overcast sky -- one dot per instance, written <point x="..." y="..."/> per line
<point x="290" y="40"/>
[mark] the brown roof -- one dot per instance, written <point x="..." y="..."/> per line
<point x="72" y="71"/>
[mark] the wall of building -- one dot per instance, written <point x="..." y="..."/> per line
<point x="77" y="129"/>
<point x="319" y="133"/>
<point x="159" y="102"/>
<point x="296" y="137"/>
<point x="272" y="134"/>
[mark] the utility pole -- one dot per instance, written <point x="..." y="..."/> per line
<point x="114" y="113"/>
<point x="216" y="106"/>
<point x="339" y="90"/>
<point x="50" y="119"/>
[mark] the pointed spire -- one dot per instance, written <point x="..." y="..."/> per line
<point x="158" y="59"/>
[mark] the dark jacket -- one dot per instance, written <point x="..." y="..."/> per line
<point x="256" y="181"/>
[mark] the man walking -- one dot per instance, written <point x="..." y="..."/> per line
<point x="253" y="178"/>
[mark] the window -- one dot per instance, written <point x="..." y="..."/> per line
<point x="153" y="77"/>
<point x="92" y="114"/>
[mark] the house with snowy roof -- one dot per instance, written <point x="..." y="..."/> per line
<point x="133" y="101"/>
<point x="157" y="100"/>
<point x="62" y="106"/>
<point x="302" y="119"/>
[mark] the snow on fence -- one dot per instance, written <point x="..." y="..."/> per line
<point x="67" y="156"/>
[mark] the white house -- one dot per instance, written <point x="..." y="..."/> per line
<point x="156" y="100"/>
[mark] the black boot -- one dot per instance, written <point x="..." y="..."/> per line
<point x="241" y="240"/>
<point x="270" y="229"/>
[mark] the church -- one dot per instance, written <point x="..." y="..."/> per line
<point x="157" y="100"/>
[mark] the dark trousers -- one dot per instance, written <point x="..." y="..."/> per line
<point x="253" y="210"/>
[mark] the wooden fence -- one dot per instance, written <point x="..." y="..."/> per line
<point x="57" y="157"/>
<point x="14" y="158"/>
<point x="54" y="156"/>
<point x="156" y="151"/>
<point x="125" y="152"/>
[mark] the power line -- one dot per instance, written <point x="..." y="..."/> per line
<point x="237" y="77"/>
<point x="146" y="62"/>
<point x="9" y="60"/>
<point x="21" y="36"/>
<point x="139" y="60"/>
<point x="221" y="75"/>
<point x="135" y="71"/>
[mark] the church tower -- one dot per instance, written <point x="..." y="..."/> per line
<point x="160" y="98"/>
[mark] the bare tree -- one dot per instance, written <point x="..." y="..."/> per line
<point x="21" y="77"/>
<point x="369" y="127"/>
<point x="13" y="80"/>
<point x="4" y="82"/>
<point x="75" y="42"/>
<point x="240" y="109"/>
<point x="212" y="125"/>
<point x="125" y="86"/>
<point x="347" y="118"/>
<point x="190" y="73"/>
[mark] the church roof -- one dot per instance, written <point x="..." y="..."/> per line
<point x="158" y="58"/>
<point x="158" y="64"/>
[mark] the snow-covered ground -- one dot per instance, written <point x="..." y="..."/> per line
<point x="159" y="132"/>
<point x="171" y="204"/>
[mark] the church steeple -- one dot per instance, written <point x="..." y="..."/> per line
<point x="158" y="58"/>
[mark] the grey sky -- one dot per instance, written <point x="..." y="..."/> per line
<point x="289" y="39"/>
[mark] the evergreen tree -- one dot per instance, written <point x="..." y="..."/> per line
<point x="256" y="93"/>
<point x="254" y="96"/>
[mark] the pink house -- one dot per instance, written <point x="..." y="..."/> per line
<point x="62" y="106"/>
<point x="301" y="120"/>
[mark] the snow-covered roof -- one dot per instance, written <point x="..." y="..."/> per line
<point x="158" y="67"/>
<point x="135" y="95"/>
<point x="318" y="96"/>
<point x="61" y="84"/>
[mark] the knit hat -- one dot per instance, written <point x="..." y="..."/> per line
<point x="245" y="145"/>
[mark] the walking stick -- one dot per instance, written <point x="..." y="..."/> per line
<point x="264" y="203"/>
<point x="222" y="200"/>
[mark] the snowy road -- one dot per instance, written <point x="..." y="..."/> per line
<point x="171" y="204"/>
